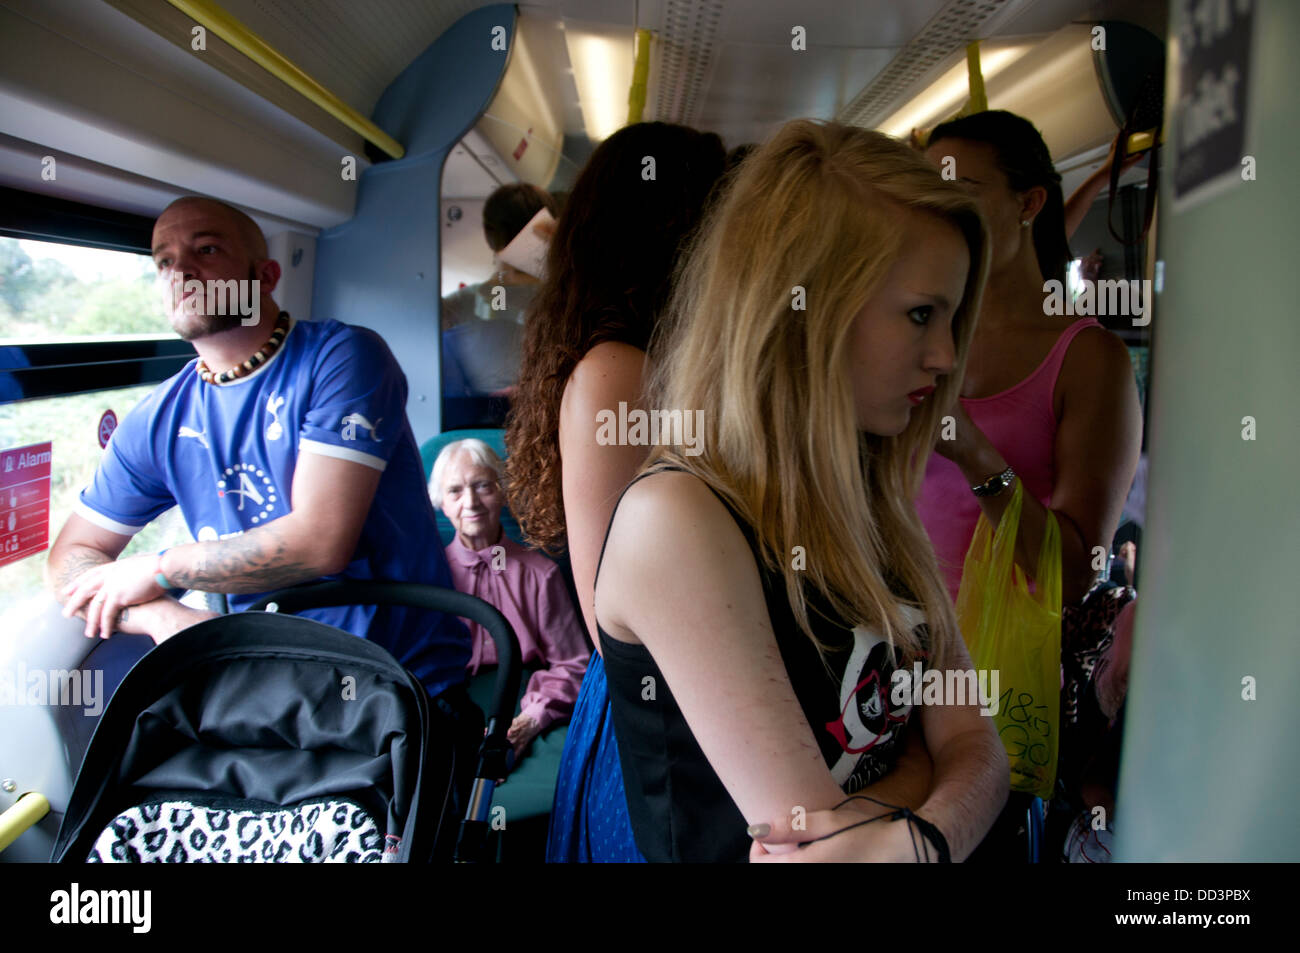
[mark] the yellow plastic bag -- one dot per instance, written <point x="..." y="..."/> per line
<point x="1017" y="633"/>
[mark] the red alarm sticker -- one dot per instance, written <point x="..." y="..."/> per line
<point x="24" y="502"/>
<point x="107" y="424"/>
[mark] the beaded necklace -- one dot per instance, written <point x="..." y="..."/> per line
<point x="257" y="360"/>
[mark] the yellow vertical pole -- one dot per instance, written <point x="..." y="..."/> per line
<point x="979" y="100"/>
<point x="640" y="78"/>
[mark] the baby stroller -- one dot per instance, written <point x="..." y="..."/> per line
<point x="260" y="736"/>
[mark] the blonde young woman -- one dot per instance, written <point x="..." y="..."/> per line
<point x="754" y="600"/>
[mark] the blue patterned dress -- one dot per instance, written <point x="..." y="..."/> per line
<point x="589" y="822"/>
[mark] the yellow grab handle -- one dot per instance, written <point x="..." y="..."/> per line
<point x="1141" y="142"/>
<point x="213" y="17"/>
<point x="27" y="810"/>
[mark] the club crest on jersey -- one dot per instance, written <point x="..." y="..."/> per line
<point x="352" y="421"/>
<point x="274" y="431"/>
<point x="249" y="483"/>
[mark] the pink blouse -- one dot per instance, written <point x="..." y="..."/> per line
<point x="529" y="591"/>
<point x="1021" y="423"/>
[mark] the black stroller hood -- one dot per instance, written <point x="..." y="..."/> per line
<point x="271" y="708"/>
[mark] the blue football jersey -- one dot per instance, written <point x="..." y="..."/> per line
<point x="226" y="454"/>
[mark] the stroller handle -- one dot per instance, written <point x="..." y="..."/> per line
<point x="419" y="595"/>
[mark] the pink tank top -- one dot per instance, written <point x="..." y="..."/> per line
<point x="1021" y="423"/>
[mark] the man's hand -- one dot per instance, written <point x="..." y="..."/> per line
<point x="104" y="591"/>
<point x="522" y="731"/>
<point x="164" y="617"/>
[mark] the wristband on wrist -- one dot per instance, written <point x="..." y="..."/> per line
<point x="995" y="484"/>
<point x="158" y="576"/>
<point x="927" y="830"/>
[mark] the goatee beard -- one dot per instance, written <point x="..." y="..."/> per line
<point x="194" y="326"/>
<point x="203" y="325"/>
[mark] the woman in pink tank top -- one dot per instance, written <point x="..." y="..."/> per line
<point x="1048" y="400"/>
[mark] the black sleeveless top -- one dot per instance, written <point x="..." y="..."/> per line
<point x="680" y="810"/>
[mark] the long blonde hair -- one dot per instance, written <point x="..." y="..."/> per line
<point x="818" y="213"/>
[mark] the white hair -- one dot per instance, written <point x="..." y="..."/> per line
<point x="478" y="451"/>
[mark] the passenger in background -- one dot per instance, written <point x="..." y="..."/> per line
<point x="524" y="585"/>
<point x="607" y="278"/>
<point x="482" y="324"/>
<point x="755" y="606"/>
<point x="1047" y="400"/>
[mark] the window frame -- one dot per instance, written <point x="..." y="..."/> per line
<point x="57" y="369"/>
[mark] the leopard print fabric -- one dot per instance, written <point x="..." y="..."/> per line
<point x="328" y="831"/>
<point x="1087" y="630"/>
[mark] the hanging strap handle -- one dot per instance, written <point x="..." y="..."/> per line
<point x="1146" y="113"/>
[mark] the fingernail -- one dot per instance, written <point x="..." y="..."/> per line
<point x="757" y="831"/>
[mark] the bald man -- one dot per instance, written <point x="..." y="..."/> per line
<point x="287" y="448"/>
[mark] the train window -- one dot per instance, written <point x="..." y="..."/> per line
<point x="51" y="291"/>
<point x="72" y="425"/>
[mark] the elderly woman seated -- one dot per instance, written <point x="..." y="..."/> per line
<point x="525" y="586"/>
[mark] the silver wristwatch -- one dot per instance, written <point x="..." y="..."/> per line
<point x="995" y="484"/>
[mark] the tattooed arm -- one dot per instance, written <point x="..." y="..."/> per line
<point x="318" y="537"/>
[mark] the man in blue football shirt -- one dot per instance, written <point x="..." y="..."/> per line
<point x="286" y="446"/>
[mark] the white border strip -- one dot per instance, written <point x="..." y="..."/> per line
<point x="102" y="521"/>
<point x="343" y="453"/>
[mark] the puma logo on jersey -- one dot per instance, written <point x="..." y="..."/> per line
<point x="191" y="432"/>
<point x="352" y="421"/>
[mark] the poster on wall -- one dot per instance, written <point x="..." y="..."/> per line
<point x="1211" y="99"/>
<point x="24" y="502"/>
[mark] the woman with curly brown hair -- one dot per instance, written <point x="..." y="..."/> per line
<point x="608" y="274"/>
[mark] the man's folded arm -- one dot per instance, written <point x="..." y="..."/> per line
<point x="81" y="546"/>
<point x="331" y="498"/>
